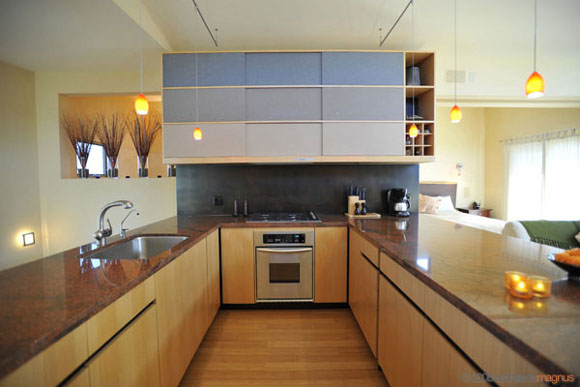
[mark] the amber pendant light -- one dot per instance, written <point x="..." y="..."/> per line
<point x="535" y="84"/>
<point x="141" y="103"/>
<point x="455" y="115"/>
<point x="413" y="130"/>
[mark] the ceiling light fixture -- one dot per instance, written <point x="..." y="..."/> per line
<point x="141" y="103"/>
<point x="535" y="84"/>
<point x="455" y="115"/>
<point x="197" y="133"/>
<point x="413" y="130"/>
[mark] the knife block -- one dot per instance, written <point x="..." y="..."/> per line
<point x="352" y="200"/>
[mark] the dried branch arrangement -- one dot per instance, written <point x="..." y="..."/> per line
<point x="81" y="132"/>
<point x="111" y="133"/>
<point x="145" y="130"/>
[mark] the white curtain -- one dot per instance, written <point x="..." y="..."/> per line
<point x="524" y="166"/>
<point x="562" y="179"/>
<point x="543" y="177"/>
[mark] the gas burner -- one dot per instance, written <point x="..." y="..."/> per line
<point x="282" y="217"/>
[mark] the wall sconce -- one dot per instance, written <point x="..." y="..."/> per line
<point x="28" y="239"/>
<point x="459" y="167"/>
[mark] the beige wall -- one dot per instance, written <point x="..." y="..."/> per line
<point x="459" y="143"/>
<point x="504" y="123"/>
<point x="108" y="105"/>
<point x="18" y="156"/>
<point x="69" y="207"/>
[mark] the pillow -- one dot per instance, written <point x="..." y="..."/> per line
<point x="446" y="204"/>
<point x="429" y="204"/>
<point x="578" y="237"/>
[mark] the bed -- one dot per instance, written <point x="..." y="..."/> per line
<point x="450" y="189"/>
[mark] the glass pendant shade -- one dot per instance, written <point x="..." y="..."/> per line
<point x="141" y="105"/>
<point x="455" y="115"/>
<point x="413" y="131"/>
<point x="197" y="134"/>
<point x="535" y="85"/>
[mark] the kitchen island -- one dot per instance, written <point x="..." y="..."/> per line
<point x="46" y="299"/>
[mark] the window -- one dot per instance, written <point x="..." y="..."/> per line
<point x="543" y="176"/>
<point x="97" y="162"/>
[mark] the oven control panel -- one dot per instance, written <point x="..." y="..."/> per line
<point x="278" y="239"/>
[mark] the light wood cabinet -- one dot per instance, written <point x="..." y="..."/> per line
<point x="400" y="337"/>
<point x="330" y="264"/>
<point x="213" y="275"/>
<point x="238" y="284"/>
<point x="363" y="292"/>
<point x="131" y="358"/>
<point x="182" y="307"/>
<point x="443" y="365"/>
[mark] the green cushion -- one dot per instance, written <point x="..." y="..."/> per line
<point x="554" y="233"/>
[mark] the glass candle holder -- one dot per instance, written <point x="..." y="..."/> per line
<point x="512" y="276"/>
<point x="541" y="286"/>
<point x="521" y="288"/>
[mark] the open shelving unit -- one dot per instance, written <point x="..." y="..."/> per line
<point x="424" y="144"/>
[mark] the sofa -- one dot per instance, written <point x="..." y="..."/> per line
<point x="557" y="233"/>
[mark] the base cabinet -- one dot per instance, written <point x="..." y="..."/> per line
<point x="213" y="275"/>
<point x="363" y="293"/>
<point x="238" y="265"/>
<point x="330" y="264"/>
<point x="131" y="358"/>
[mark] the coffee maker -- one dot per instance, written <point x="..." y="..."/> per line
<point x="398" y="203"/>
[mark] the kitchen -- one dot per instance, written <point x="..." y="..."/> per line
<point x="259" y="277"/>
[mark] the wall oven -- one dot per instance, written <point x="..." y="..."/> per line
<point x="284" y="265"/>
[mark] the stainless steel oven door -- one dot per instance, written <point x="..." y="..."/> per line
<point x="284" y="273"/>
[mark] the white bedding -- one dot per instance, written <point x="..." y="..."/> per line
<point x="480" y="222"/>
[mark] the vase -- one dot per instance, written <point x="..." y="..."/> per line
<point x="83" y="172"/>
<point x="112" y="170"/>
<point x="171" y="170"/>
<point x="143" y="170"/>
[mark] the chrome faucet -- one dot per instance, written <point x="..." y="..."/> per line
<point x="103" y="232"/>
<point x="123" y="231"/>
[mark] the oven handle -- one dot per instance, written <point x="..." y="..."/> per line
<point x="285" y="251"/>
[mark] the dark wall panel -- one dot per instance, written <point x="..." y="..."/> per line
<point x="320" y="188"/>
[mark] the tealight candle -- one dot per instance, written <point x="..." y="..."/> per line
<point x="521" y="288"/>
<point x="512" y="276"/>
<point x="541" y="286"/>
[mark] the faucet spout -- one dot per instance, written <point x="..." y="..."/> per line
<point x="103" y="232"/>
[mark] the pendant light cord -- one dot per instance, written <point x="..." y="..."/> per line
<point x="196" y="100"/>
<point x="140" y="48"/>
<point x="455" y="45"/>
<point x="413" y="49"/>
<point x="535" y="29"/>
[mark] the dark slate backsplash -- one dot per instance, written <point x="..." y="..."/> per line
<point x="321" y="188"/>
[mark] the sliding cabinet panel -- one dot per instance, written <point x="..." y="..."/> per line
<point x="214" y="105"/>
<point x="284" y="68"/>
<point x="218" y="140"/>
<point x="289" y="104"/>
<point x="363" y="103"/>
<point x="216" y="69"/>
<point x="362" y="68"/>
<point x="363" y="139"/>
<point x="284" y="139"/>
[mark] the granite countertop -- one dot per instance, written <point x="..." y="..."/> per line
<point x="466" y="266"/>
<point x="46" y="299"/>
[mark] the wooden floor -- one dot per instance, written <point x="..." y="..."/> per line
<point x="284" y="348"/>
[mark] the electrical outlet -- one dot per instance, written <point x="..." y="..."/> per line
<point x="218" y="200"/>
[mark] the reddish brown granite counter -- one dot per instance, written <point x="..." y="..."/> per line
<point x="466" y="266"/>
<point x="44" y="300"/>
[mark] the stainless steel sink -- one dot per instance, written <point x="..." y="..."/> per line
<point x="139" y="248"/>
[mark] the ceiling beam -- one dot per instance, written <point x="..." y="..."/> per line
<point x="148" y="24"/>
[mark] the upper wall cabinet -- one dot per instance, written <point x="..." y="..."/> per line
<point x="362" y="68"/>
<point x="286" y="107"/>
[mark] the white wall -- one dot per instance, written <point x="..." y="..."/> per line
<point x="18" y="156"/>
<point x="70" y="208"/>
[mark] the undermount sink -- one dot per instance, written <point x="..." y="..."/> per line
<point x="139" y="248"/>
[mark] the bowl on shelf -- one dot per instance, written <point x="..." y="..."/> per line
<point x="572" y="270"/>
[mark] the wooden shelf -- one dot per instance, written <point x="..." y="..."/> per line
<point x="419" y="90"/>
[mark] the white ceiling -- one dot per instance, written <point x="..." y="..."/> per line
<point x="494" y="36"/>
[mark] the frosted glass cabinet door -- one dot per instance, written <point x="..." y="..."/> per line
<point x="283" y="68"/>
<point x="213" y="69"/>
<point x="214" y="105"/>
<point x="284" y="139"/>
<point x="218" y="140"/>
<point x="362" y="68"/>
<point x="363" y="139"/>
<point x="363" y="103"/>
<point x="293" y="104"/>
